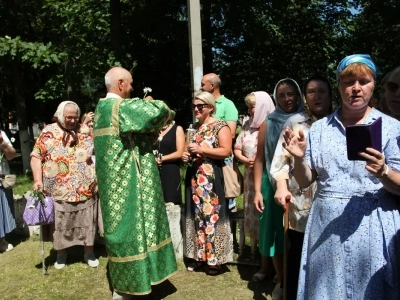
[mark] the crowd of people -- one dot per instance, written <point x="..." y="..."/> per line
<point x="114" y="170"/>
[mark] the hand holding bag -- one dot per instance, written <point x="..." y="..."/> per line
<point x="39" y="210"/>
<point x="8" y="181"/>
<point x="233" y="180"/>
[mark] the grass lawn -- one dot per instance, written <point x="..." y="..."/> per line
<point x="21" y="274"/>
<point x="21" y="277"/>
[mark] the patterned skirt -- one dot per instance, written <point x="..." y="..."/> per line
<point x="198" y="246"/>
<point x="75" y="223"/>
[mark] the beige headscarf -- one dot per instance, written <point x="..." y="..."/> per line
<point x="59" y="114"/>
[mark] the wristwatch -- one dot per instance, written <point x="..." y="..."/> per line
<point x="385" y="173"/>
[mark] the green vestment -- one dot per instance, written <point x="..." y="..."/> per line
<point x="136" y="227"/>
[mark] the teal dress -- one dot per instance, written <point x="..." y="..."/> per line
<point x="271" y="221"/>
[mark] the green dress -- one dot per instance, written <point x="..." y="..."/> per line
<point x="271" y="221"/>
<point x="136" y="229"/>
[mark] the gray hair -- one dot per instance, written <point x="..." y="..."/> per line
<point x="108" y="79"/>
<point x="113" y="75"/>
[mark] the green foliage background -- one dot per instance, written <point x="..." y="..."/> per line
<point x="61" y="49"/>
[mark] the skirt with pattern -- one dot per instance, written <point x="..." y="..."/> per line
<point x="75" y="223"/>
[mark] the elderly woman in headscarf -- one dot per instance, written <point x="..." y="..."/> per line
<point x="62" y="168"/>
<point x="289" y="100"/>
<point x="259" y="106"/>
<point x="352" y="241"/>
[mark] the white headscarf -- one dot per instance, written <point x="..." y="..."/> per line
<point x="264" y="106"/>
<point x="59" y="114"/>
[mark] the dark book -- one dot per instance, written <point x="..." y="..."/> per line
<point x="362" y="136"/>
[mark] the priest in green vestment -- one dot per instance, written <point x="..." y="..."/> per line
<point x="136" y="229"/>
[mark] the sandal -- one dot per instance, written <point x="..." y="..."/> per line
<point x="214" y="270"/>
<point x="195" y="265"/>
<point x="259" y="277"/>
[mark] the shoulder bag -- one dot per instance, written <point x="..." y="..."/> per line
<point x="233" y="180"/>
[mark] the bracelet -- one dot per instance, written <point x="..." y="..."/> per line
<point x="385" y="173"/>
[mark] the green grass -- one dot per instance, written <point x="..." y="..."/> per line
<point x="24" y="184"/>
<point x="21" y="273"/>
<point x="21" y="277"/>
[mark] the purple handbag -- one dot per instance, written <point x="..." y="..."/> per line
<point x="39" y="212"/>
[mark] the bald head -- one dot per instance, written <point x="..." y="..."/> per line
<point x="211" y="83"/>
<point x="213" y="78"/>
<point x="119" y="81"/>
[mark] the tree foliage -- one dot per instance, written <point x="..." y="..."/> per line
<point x="65" y="47"/>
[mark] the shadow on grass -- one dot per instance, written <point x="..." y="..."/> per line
<point x="75" y="255"/>
<point x="260" y="289"/>
<point x="15" y="239"/>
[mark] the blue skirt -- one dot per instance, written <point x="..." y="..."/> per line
<point x="7" y="219"/>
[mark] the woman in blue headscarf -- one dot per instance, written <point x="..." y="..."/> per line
<point x="352" y="239"/>
<point x="289" y="103"/>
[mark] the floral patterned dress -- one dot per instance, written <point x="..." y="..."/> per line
<point x="208" y="234"/>
<point x="68" y="174"/>
<point x="247" y="143"/>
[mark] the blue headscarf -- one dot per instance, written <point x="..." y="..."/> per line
<point x="357" y="58"/>
<point x="277" y="119"/>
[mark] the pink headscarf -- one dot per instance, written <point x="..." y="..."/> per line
<point x="264" y="106"/>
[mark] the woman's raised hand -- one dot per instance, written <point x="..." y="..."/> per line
<point x="294" y="144"/>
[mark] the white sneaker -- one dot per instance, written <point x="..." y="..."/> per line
<point x="91" y="260"/>
<point x="61" y="260"/>
<point x="277" y="293"/>
<point x="5" y="247"/>
<point x="121" y="296"/>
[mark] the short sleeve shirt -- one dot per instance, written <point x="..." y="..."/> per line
<point x="226" y="110"/>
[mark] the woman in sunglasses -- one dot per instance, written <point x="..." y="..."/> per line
<point x="208" y="234"/>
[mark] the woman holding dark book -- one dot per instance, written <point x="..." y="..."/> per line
<point x="352" y="239"/>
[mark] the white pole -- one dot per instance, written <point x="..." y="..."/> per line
<point x="195" y="45"/>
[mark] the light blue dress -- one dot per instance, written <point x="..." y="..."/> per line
<point x="7" y="220"/>
<point x="352" y="239"/>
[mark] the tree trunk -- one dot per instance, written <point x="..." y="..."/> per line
<point x="21" y="115"/>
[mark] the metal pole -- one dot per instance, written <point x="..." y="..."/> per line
<point x="195" y="45"/>
<point x="44" y="270"/>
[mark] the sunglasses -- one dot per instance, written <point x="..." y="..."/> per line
<point x="199" y="106"/>
<point x="391" y="86"/>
